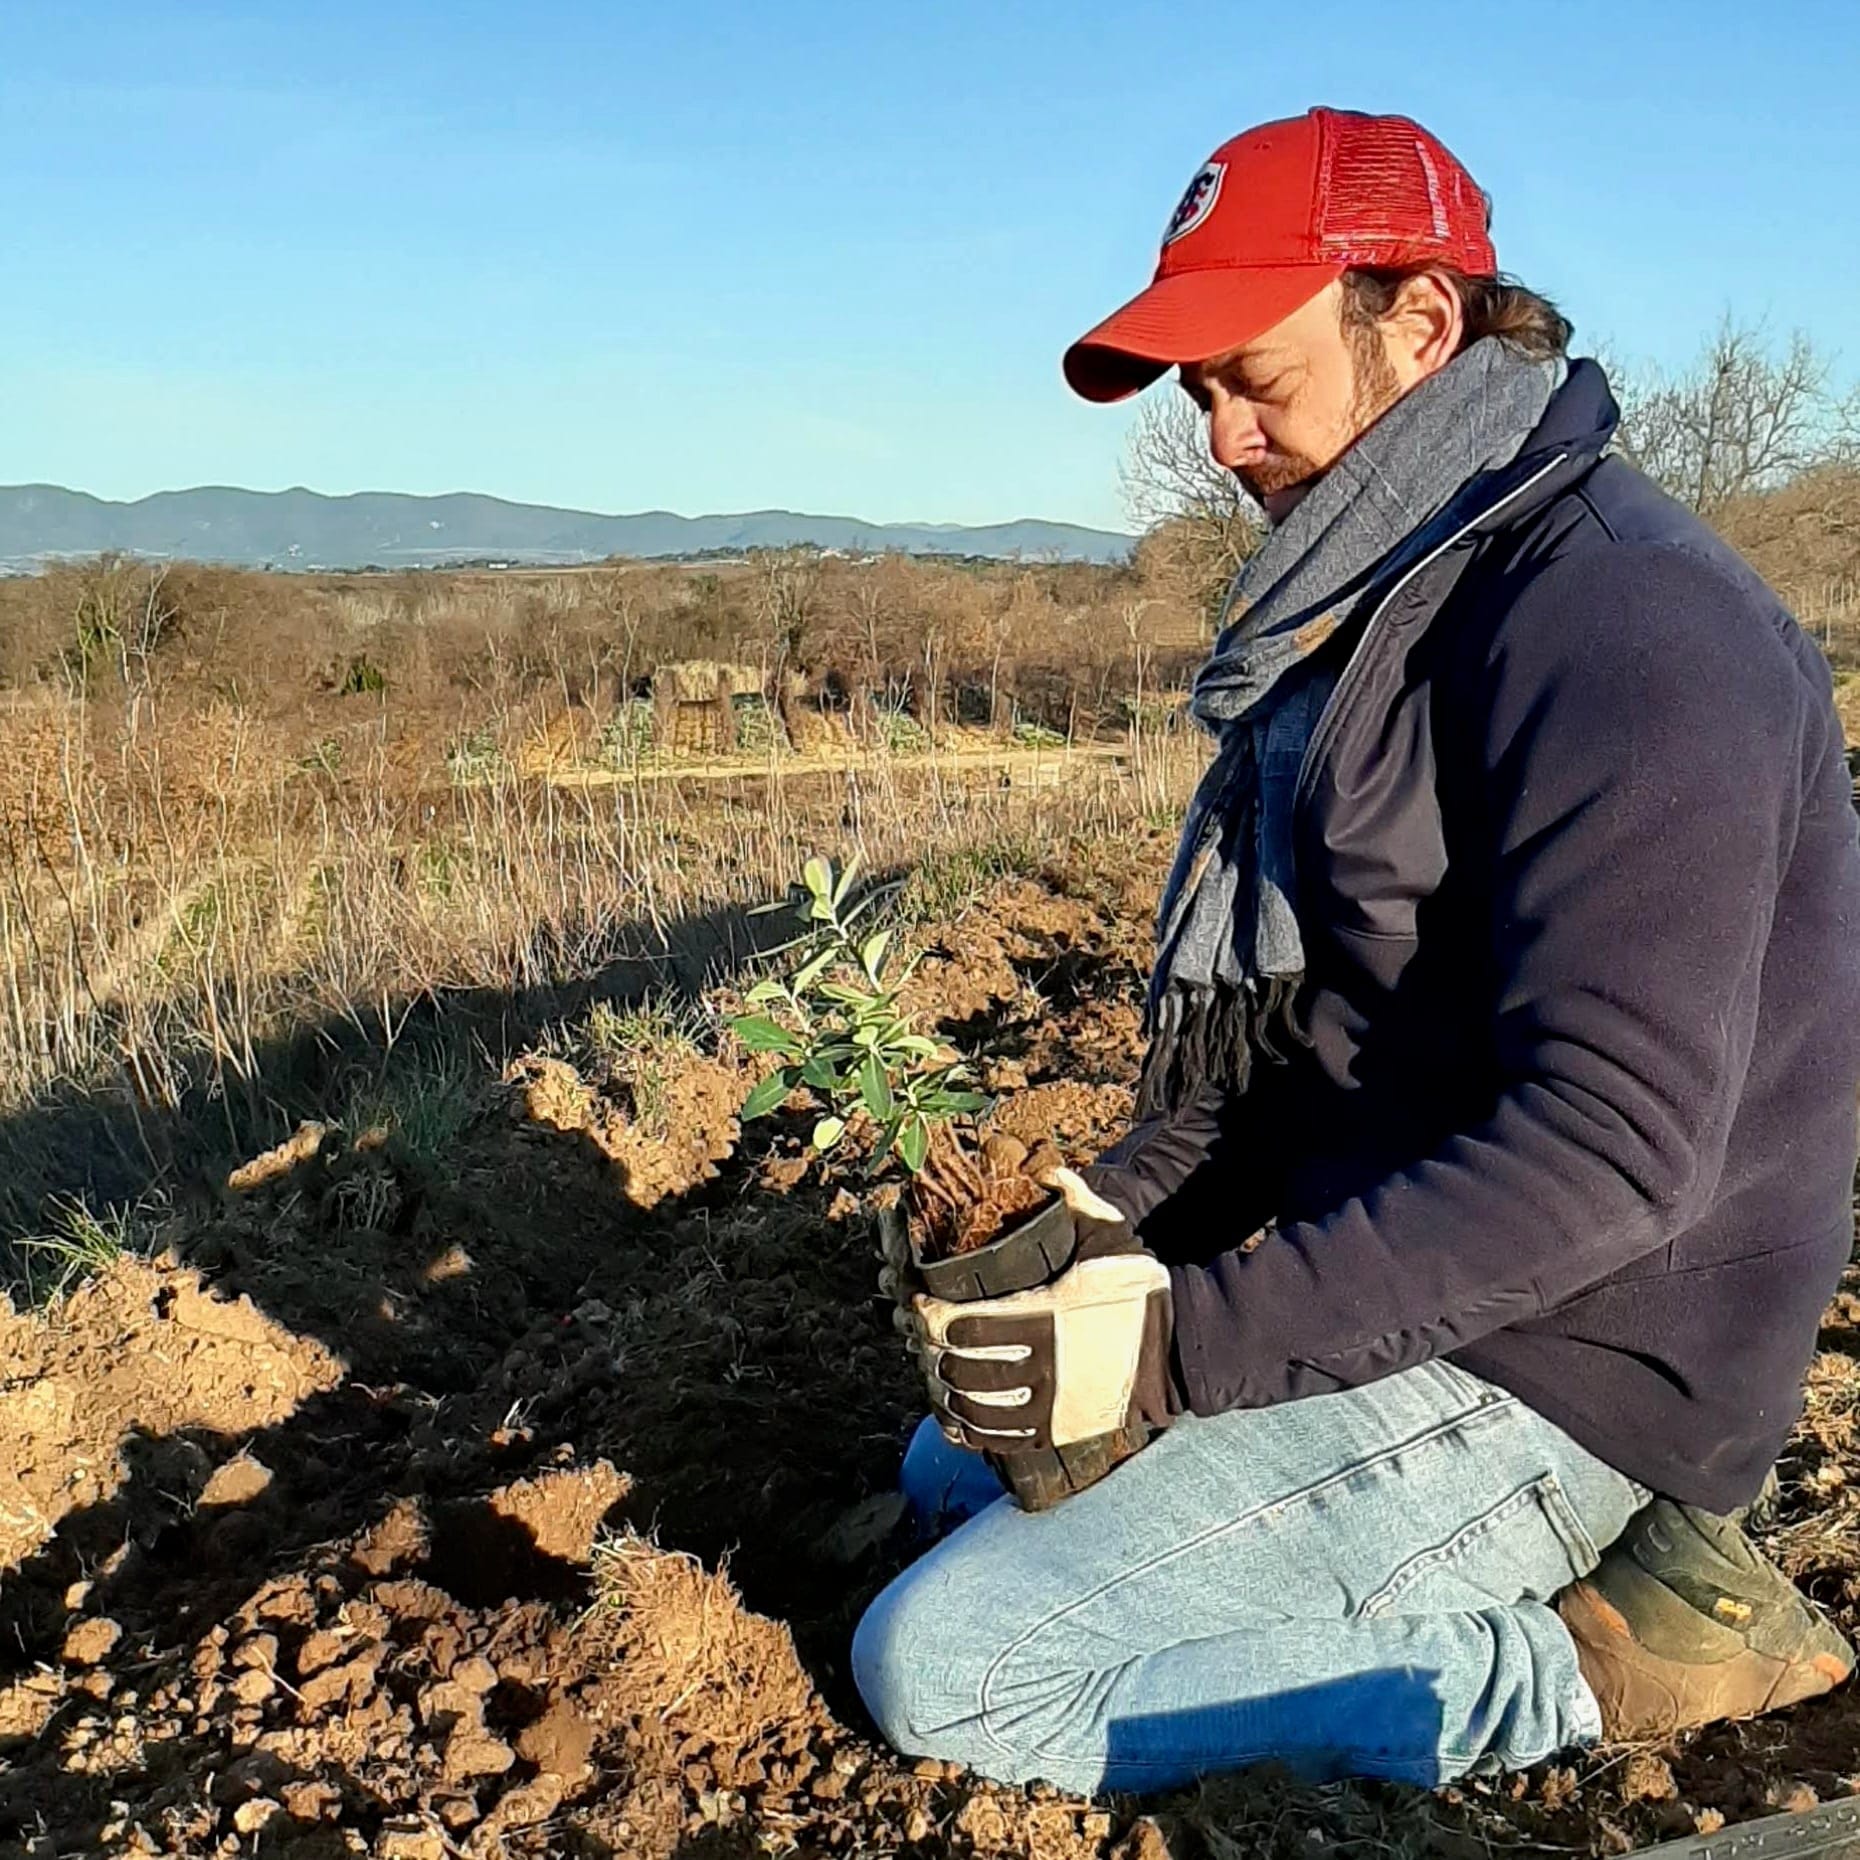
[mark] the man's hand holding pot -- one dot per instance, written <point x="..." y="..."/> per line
<point x="1079" y="1357"/>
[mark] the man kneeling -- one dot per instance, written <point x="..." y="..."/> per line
<point x="1495" y="1139"/>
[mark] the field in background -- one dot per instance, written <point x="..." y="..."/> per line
<point x="254" y="827"/>
<point x="371" y="1190"/>
<point x="207" y="933"/>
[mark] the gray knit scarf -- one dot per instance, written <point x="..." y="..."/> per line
<point x="1229" y="957"/>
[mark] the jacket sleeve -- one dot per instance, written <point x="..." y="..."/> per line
<point x="1196" y="1181"/>
<point x="1637" y="742"/>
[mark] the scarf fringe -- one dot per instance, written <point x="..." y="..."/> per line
<point x="1210" y="1037"/>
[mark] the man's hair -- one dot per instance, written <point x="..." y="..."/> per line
<point x="1496" y="306"/>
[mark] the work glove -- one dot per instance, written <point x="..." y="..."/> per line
<point x="1084" y="1355"/>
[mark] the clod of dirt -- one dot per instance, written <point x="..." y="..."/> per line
<point x="91" y="1642"/>
<point x="475" y="1674"/>
<point x="26" y="1707"/>
<point x="522" y="1807"/>
<point x="1648" y="1777"/>
<point x="689" y="1133"/>
<point x="861" y="1529"/>
<point x="453" y="1262"/>
<point x="142" y="1350"/>
<point x="455" y="1715"/>
<point x="399" y="1540"/>
<point x="300" y="1147"/>
<point x="676" y="1650"/>
<point x="559" y="1742"/>
<point x="410" y="1840"/>
<point x="563" y="1510"/>
<point x="1144" y="1841"/>
<point x="238" y="1482"/>
<point x="1797" y="1798"/>
<point x="1003" y="1155"/>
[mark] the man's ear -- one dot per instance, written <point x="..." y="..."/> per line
<point x="1424" y="327"/>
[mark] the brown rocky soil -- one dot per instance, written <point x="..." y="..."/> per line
<point x="521" y="1500"/>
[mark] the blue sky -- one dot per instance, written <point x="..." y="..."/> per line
<point x="709" y="256"/>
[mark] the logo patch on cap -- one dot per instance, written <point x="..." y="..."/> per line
<point x="1203" y="191"/>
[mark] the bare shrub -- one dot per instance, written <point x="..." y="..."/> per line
<point x="1743" y="418"/>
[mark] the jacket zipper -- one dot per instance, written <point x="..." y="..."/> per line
<point x="1370" y="627"/>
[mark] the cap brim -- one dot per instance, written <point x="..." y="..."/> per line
<point x="1187" y="317"/>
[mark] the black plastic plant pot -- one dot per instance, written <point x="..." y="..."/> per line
<point x="1031" y="1254"/>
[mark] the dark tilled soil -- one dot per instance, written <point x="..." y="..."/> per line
<point x="521" y="1499"/>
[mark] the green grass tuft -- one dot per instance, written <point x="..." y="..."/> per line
<point x="947" y="881"/>
<point x="77" y="1245"/>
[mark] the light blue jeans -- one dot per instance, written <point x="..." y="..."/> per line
<point x="1354" y="1585"/>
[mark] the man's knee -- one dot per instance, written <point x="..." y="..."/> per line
<point x="944" y="1677"/>
<point x="890" y="1661"/>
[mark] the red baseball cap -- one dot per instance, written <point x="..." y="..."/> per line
<point x="1271" y="218"/>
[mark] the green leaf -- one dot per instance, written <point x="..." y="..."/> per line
<point x="767" y="1096"/>
<point x="766" y="991"/>
<point x="828" y="1132"/>
<point x="969" y="1101"/>
<point x="875" y="1088"/>
<point x="916" y="1045"/>
<point x="847" y="873"/>
<point x="811" y="971"/>
<point x="820" y="1072"/>
<point x="872" y="955"/>
<point x="913" y="1143"/>
<point x="762" y="1035"/>
<point x="817" y="876"/>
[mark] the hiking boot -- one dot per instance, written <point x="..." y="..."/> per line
<point x="1684" y="1623"/>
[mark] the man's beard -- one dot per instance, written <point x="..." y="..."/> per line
<point x="1375" y="389"/>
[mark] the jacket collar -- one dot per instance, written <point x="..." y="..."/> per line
<point x="1575" y="431"/>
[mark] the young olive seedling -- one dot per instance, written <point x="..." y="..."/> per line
<point x="835" y="1025"/>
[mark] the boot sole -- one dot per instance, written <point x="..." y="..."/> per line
<point x="1644" y="1695"/>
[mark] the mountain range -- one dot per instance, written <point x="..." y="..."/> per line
<point x="302" y="529"/>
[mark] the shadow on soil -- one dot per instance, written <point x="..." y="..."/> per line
<point x="724" y="1348"/>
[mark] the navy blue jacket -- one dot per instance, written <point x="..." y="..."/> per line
<point x="1579" y="883"/>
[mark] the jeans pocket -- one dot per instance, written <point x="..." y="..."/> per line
<point x="1526" y="1547"/>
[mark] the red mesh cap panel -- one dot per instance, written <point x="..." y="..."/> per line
<point x="1391" y="194"/>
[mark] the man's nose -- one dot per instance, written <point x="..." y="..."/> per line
<point x="1234" y="437"/>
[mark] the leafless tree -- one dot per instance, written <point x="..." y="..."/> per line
<point x="1199" y="524"/>
<point x="1741" y="418"/>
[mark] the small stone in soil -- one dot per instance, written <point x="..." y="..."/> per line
<point x="250" y="1817"/>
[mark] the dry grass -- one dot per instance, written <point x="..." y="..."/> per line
<point x="184" y="901"/>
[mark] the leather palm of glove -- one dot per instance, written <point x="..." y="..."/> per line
<point x="1081" y="1356"/>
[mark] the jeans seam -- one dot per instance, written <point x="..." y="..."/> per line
<point x="1440" y="1430"/>
<point x="1538" y="1491"/>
